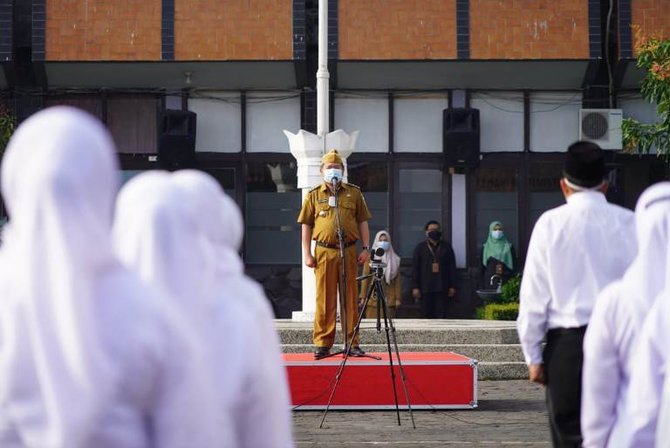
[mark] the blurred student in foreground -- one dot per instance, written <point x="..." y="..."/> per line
<point x="88" y="354"/>
<point x="177" y="232"/>
<point x="618" y="315"/>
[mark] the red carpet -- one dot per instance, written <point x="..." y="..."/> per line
<point x="433" y="380"/>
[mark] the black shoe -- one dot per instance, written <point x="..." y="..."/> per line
<point x="356" y="351"/>
<point x="321" y="352"/>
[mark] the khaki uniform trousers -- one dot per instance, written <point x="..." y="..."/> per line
<point x="328" y="272"/>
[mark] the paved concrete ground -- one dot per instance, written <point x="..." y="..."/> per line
<point x="510" y="413"/>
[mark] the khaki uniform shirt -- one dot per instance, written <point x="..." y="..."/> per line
<point x="318" y="214"/>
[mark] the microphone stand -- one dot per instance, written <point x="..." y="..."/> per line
<point x="342" y="288"/>
<point x="342" y="285"/>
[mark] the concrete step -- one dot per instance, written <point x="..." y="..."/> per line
<point x="415" y="332"/>
<point x="494" y="344"/>
<point x="503" y="371"/>
<point x="480" y="352"/>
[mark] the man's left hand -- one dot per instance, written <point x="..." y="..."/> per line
<point x="363" y="257"/>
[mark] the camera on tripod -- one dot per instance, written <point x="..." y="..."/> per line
<point x="376" y="264"/>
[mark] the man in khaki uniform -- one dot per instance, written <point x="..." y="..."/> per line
<point x="319" y="223"/>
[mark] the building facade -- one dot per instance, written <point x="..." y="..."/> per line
<point x="247" y="69"/>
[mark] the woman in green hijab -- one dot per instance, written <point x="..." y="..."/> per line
<point x="498" y="257"/>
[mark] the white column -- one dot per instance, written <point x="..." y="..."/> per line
<point x="307" y="148"/>
<point x="459" y="218"/>
<point x="322" y="75"/>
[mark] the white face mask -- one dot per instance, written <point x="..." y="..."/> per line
<point x="332" y="173"/>
<point x="497" y="234"/>
<point x="384" y="245"/>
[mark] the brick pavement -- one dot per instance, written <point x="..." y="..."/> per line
<point x="510" y="413"/>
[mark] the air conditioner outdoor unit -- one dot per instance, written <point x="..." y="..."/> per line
<point x="601" y="126"/>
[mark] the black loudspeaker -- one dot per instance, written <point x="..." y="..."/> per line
<point x="460" y="137"/>
<point x="176" y="139"/>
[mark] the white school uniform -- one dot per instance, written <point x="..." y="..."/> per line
<point x="617" y="318"/>
<point x="161" y="232"/>
<point x="86" y="354"/>
<point x="267" y="397"/>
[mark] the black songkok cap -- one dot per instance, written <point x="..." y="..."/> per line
<point x="584" y="164"/>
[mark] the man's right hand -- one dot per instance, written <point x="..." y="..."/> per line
<point x="310" y="261"/>
<point x="536" y="374"/>
<point x="416" y="293"/>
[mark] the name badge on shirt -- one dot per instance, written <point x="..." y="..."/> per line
<point x="436" y="267"/>
<point x="331" y="201"/>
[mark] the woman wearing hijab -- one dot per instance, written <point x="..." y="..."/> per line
<point x="497" y="255"/>
<point x="617" y="320"/>
<point x="392" y="281"/>
<point x="85" y="358"/>
<point x="265" y="396"/>
<point x="645" y="416"/>
<point x="173" y="229"/>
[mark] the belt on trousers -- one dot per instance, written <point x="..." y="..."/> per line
<point x="333" y="246"/>
<point x="566" y="331"/>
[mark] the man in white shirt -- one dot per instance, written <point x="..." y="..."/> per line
<point x="574" y="252"/>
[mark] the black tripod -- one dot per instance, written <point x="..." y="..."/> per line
<point x="377" y="288"/>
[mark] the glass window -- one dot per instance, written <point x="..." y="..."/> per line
<point x="554" y="120"/>
<point x="500" y="120"/>
<point x="367" y="112"/>
<point x="544" y="191"/>
<point x="268" y="114"/>
<point x="372" y="177"/>
<point x="89" y="103"/>
<point x="132" y="122"/>
<point x="420" y="200"/>
<point x="496" y="200"/>
<point x="272" y="206"/>
<point x="225" y="177"/>
<point x="126" y="175"/>
<point x="418" y="122"/>
<point x="218" y="127"/>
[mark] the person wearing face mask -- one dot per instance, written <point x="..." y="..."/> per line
<point x="434" y="273"/>
<point x="319" y="220"/>
<point x="498" y="257"/>
<point x="392" y="282"/>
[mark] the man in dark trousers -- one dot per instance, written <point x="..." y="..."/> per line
<point x="575" y="250"/>
<point x="434" y="273"/>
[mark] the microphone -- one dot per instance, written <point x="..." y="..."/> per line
<point x="335" y="180"/>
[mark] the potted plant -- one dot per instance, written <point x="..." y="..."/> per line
<point x="506" y="306"/>
<point x="7" y="126"/>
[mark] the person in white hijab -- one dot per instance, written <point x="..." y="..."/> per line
<point x="392" y="280"/>
<point x="86" y="358"/>
<point x="266" y="395"/>
<point x="617" y="320"/>
<point x="176" y="240"/>
<point x="647" y="400"/>
<point x="646" y="412"/>
<point x="663" y="425"/>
